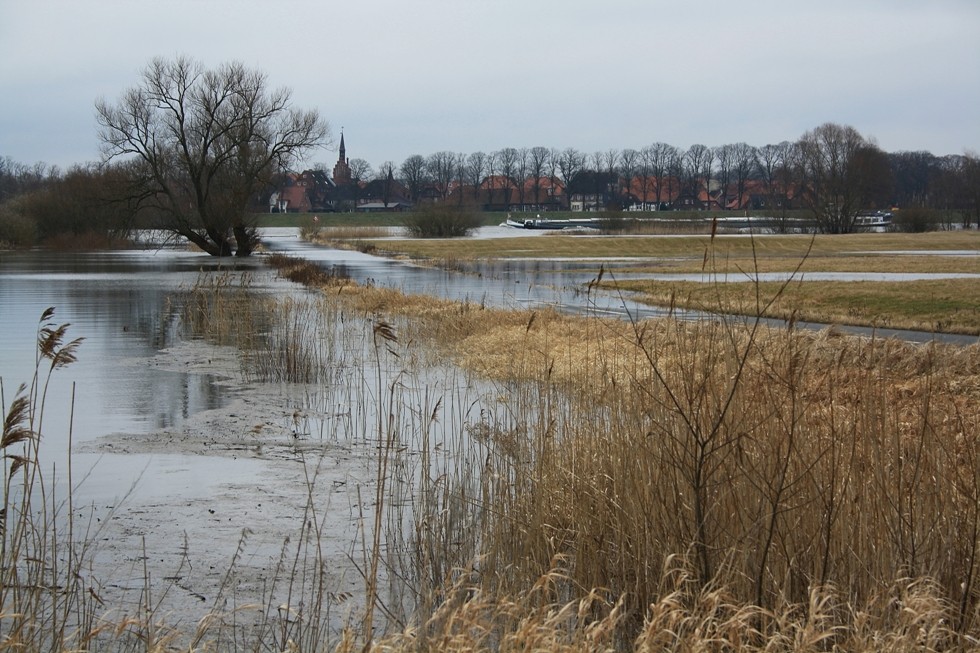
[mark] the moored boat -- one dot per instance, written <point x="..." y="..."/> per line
<point x="544" y="223"/>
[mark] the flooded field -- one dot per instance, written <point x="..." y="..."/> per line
<point x="185" y="466"/>
<point x="201" y="484"/>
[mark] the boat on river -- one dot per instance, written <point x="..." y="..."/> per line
<point x="545" y="223"/>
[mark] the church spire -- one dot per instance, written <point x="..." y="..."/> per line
<point x="341" y="171"/>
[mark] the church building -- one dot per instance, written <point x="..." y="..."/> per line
<point x="341" y="171"/>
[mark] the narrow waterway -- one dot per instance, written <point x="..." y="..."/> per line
<point x="561" y="283"/>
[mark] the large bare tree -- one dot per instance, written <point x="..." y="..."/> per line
<point x="570" y="162"/>
<point x="774" y="163"/>
<point x="843" y="173"/>
<point x="696" y="172"/>
<point x="744" y="165"/>
<point x="659" y="157"/>
<point x="441" y="170"/>
<point x="476" y="166"/>
<point x="629" y="164"/>
<point x="724" y="155"/>
<point x="538" y="161"/>
<point x="203" y="143"/>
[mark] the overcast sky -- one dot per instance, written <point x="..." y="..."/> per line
<point x="405" y="77"/>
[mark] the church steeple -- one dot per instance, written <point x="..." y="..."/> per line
<point x="341" y="171"/>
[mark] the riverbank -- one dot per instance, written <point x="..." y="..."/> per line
<point x="919" y="282"/>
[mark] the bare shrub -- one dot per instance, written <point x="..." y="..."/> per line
<point x="441" y="220"/>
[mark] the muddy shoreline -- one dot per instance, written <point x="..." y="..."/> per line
<point x="205" y="546"/>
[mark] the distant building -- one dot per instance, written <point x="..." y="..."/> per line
<point x="315" y="190"/>
<point x="589" y="190"/>
<point x="384" y="194"/>
<point x="341" y="171"/>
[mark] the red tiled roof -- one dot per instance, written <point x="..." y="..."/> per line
<point x="497" y="182"/>
<point x="669" y="189"/>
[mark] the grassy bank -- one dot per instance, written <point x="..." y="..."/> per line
<point x="941" y="306"/>
<point x="948" y="305"/>
<point x="723" y="247"/>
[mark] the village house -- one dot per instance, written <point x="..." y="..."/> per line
<point x="594" y="191"/>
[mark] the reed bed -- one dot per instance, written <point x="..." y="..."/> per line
<point x="784" y="467"/>
<point x="583" y="484"/>
<point x="47" y="595"/>
<point x="281" y="339"/>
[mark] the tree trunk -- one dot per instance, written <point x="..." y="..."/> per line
<point x="245" y="239"/>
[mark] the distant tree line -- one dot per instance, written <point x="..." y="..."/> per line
<point x="831" y="170"/>
<point x="85" y="204"/>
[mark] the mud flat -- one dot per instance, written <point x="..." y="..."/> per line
<point x="224" y="503"/>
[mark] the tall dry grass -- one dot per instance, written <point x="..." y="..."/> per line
<point x="47" y="597"/>
<point x="783" y="466"/>
<point x="789" y="470"/>
<point x="281" y="338"/>
<point x="661" y="485"/>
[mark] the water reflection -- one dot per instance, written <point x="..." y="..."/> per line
<point x="119" y="302"/>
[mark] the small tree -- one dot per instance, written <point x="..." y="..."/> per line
<point x="203" y="143"/>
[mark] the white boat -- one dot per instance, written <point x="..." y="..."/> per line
<point x="544" y="223"/>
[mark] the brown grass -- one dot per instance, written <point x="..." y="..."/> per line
<point x="778" y="464"/>
<point x="669" y="484"/>
<point x="693" y="247"/>
<point x="662" y="485"/>
<point x="303" y="272"/>
<point x="941" y="306"/>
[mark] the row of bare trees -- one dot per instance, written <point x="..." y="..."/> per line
<point x="832" y="170"/>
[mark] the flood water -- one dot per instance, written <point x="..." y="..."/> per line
<point x="123" y="304"/>
<point x="119" y="302"/>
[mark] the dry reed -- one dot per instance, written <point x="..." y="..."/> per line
<point x="664" y="485"/>
<point x="779" y="464"/>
